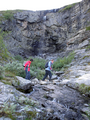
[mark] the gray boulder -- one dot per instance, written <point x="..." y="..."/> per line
<point x="22" y="84"/>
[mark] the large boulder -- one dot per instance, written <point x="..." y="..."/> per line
<point x="23" y="84"/>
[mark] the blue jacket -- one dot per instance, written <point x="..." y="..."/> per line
<point x="49" y="68"/>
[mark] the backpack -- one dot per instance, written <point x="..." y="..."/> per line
<point x="46" y="65"/>
<point x="24" y="63"/>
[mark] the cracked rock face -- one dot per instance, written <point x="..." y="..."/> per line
<point x="42" y="32"/>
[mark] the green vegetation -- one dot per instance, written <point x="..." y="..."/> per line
<point x="26" y="101"/>
<point x="1" y="72"/>
<point x="8" y="14"/>
<point x="3" y="50"/>
<point x="88" y="47"/>
<point x="16" y="68"/>
<point x="4" y="54"/>
<point x="85" y="89"/>
<point x="18" y="57"/>
<point x="63" y="62"/>
<point x="67" y="7"/>
<point x="9" y="110"/>
<point x="87" y="112"/>
<point x="88" y="28"/>
<point x="37" y="68"/>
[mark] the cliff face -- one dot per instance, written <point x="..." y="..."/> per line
<point x="41" y="32"/>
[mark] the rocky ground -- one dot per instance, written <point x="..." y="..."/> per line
<point x="58" y="99"/>
<point x="63" y="31"/>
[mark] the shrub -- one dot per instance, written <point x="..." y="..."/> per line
<point x="62" y="62"/>
<point x="40" y="74"/>
<point x="3" y="49"/>
<point x="18" y="57"/>
<point x="38" y="63"/>
<point x="8" y="110"/>
<point x="84" y="88"/>
<point x="16" y="68"/>
<point x="88" y="28"/>
<point x="4" y="54"/>
<point x="8" y="15"/>
<point x="37" y="66"/>
<point x="1" y="72"/>
<point x="35" y="69"/>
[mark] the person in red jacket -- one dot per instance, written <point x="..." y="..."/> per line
<point x="27" y="68"/>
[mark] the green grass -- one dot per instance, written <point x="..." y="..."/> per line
<point x="85" y="89"/>
<point x="88" y="28"/>
<point x="67" y="7"/>
<point x="88" y="47"/>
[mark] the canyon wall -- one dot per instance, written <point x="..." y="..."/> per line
<point x="47" y="32"/>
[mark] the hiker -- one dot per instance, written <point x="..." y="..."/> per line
<point x="27" y="68"/>
<point x="48" y="70"/>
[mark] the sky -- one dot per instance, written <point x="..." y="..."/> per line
<point x="34" y="5"/>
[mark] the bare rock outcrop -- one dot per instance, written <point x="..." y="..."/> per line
<point x="51" y="31"/>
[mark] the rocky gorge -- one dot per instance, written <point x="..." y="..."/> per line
<point x="49" y="34"/>
<point x="44" y="32"/>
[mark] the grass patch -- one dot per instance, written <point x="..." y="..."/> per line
<point x="88" y="28"/>
<point x="67" y="7"/>
<point x="8" y="111"/>
<point x="8" y="14"/>
<point x="85" y="89"/>
<point x="88" y="47"/>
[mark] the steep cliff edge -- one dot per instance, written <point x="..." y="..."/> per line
<point x="42" y="32"/>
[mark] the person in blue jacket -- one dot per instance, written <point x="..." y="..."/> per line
<point x="48" y="70"/>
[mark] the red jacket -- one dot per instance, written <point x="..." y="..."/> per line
<point x="27" y="63"/>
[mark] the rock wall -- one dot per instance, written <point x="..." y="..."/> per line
<point x="52" y="31"/>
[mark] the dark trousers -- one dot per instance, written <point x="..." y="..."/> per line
<point x="47" y="72"/>
<point x="27" y="73"/>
